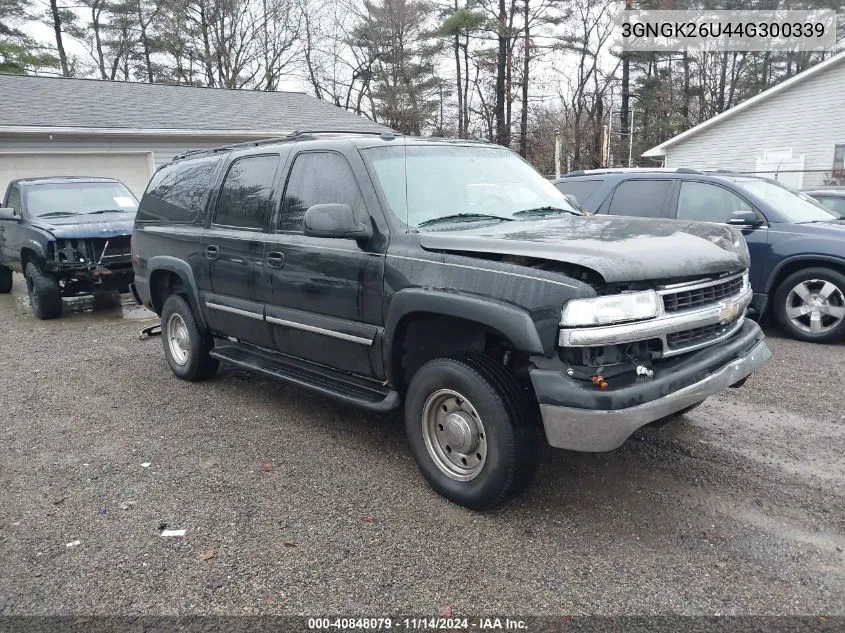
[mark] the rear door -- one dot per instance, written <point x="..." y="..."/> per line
<point x="711" y="202"/>
<point x="326" y="293"/>
<point x="234" y="246"/>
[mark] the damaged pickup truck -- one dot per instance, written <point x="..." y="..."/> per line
<point x="67" y="236"/>
<point x="447" y="277"/>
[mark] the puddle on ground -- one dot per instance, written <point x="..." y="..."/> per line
<point x="108" y="305"/>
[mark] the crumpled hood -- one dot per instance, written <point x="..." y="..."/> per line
<point x="111" y="225"/>
<point x="617" y="248"/>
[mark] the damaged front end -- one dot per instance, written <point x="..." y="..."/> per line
<point x="86" y="265"/>
<point x="637" y="354"/>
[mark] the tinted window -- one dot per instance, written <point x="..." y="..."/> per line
<point x="581" y="189"/>
<point x="14" y="200"/>
<point x="317" y="178"/>
<point x="837" y="205"/>
<point x="245" y="197"/>
<point x="178" y="192"/>
<point x="709" y="203"/>
<point x="642" y="198"/>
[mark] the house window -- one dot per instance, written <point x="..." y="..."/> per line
<point x="839" y="157"/>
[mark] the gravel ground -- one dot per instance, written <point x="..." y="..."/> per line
<point x="294" y="504"/>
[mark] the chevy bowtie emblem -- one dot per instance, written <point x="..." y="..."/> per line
<point x="728" y="312"/>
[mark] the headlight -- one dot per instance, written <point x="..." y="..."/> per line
<point x="629" y="306"/>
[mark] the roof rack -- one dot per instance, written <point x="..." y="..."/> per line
<point x="628" y="170"/>
<point x="385" y="134"/>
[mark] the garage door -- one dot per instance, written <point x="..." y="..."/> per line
<point x="133" y="170"/>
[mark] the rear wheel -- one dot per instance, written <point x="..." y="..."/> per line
<point x="186" y="349"/>
<point x="810" y="305"/>
<point x="472" y="430"/>
<point x="5" y="280"/>
<point x="45" y="295"/>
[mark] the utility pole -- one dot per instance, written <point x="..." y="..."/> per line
<point x="608" y="160"/>
<point x="557" y="154"/>
<point x="631" y="140"/>
<point x="626" y="83"/>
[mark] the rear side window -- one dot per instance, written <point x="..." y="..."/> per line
<point x="317" y="178"/>
<point x="246" y="195"/>
<point x="640" y="198"/>
<point x="177" y="192"/>
<point x="581" y="189"/>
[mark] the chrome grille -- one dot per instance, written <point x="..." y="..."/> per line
<point x="698" y="295"/>
<point x="688" y="338"/>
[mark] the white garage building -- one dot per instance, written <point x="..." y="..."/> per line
<point x="82" y="127"/>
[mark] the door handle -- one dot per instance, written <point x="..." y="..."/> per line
<point x="275" y="259"/>
<point x="211" y="252"/>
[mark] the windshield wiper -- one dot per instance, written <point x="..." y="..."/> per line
<point x="541" y="211"/>
<point x="57" y="214"/>
<point x="107" y="211"/>
<point x="458" y="216"/>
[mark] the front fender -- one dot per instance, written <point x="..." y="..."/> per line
<point x="183" y="270"/>
<point x="512" y="322"/>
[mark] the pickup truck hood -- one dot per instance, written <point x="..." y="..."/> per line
<point x="618" y="248"/>
<point x="111" y="225"/>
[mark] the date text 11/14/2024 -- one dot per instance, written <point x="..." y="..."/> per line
<point x="418" y="624"/>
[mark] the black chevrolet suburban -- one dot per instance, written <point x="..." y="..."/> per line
<point x="67" y="236"/>
<point x="447" y="277"/>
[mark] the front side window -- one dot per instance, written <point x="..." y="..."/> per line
<point x="430" y="186"/>
<point x="581" y="189"/>
<point x="245" y="199"/>
<point x="640" y="198"/>
<point x="14" y="201"/>
<point x="317" y="178"/>
<point x="54" y="200"/>
<point x="708" y="203"/>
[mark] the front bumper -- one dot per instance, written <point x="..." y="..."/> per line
<point x="583" y="418"/>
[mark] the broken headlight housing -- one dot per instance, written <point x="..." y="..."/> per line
<point x="607" y="309"/>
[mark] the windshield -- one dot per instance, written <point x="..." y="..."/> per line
<point x="792" y="206"/>
<point x="448" y="184"/>
<point x="78" y="198"/>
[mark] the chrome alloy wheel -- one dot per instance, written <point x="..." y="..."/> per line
<point x="454" y="435"/>
<point x="815" y="306"/>
<point x="178" y="340"/>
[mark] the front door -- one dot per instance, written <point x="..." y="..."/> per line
<point x="10" y="231"/>
<point x="714" y="203"/>
<point x="234" y="246"/>
<point x="325" y="294"/>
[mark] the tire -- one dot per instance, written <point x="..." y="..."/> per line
<point x="5" y="280"/>
<point x="500" y="454"/>
<point x="810" y="305"/>
<point x="670" y="418"/>
<point x="45" y="295"/>
<point x="185" y="347"/>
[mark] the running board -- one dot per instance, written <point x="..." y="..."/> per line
<point x="323" y="380"/>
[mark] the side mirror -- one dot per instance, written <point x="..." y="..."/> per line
<point x="8" y="213"/>
<point x="334" y="220"/>
<point x="745" y="218"/>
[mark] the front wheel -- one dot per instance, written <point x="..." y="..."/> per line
<point x="45" y="295"/>
<point x="472" y="430"/>
<point x="5" y="280"/>
<point x="810" y="305"/>
<point x="186" y="350"/>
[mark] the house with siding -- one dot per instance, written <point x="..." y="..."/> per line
<point x="52" y="126"/>
<point x="794" y="132"/>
